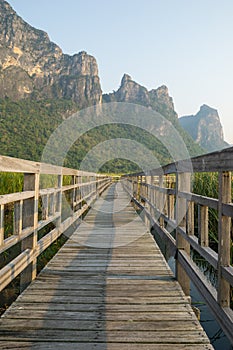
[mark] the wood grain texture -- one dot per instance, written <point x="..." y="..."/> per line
<point x="109" y="287"/>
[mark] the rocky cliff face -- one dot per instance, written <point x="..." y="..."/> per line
<point x="205" y="128"/>
<point x="31" y="65"/>
<point x="132" y="92"/>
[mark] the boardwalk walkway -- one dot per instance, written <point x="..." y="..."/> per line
<point x="109" y="287"/>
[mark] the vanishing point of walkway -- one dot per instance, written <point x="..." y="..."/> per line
<point x="109" y="287"/>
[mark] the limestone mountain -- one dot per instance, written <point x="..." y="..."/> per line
<point x="33" y="66"/>
<point x="205" y="128"/>
<point x="156" y="99"/>
<point x="132" y="92"/>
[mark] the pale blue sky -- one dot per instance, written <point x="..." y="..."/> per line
<point x="184" y="44"/>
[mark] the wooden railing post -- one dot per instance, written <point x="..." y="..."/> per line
<point x="18" y="217"/>
<point x="45" y="207"/>
<point x="52" y="204"/>
<point x="97" y="185"/>
<point x="59" y="200"/>
<point x="161" y="200"/>
<point x="150" y="195"/>
<point x="165" y="196"/>
<point x="182" y="184"/>
<point x="190" y="218"/>
<point x="203" y="227"/>
<point x="79" y="191"/>
<point x="30" y="219"/>
<point x="73" y="192"/>
<point x="156" y="194"/>
<point x="93" y="187"/>
<point x="138" y="188"/>
<point x="139" y="193"/>
<point x="148" y="180"/>
<point x="1" y="225"/>
<point x="133" y="178"/>
<point x="171" y="202"/>
<point x="224" y="238"/>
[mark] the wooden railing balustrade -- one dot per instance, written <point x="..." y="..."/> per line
<point x="36" y="208"/>
<point x="167" y="201"/>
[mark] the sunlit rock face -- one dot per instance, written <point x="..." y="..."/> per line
<point x="205" y="128"/>
<point x="32" y="65"/>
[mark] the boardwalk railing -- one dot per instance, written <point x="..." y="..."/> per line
<point x="168" y="203"/>
<point x="38" y="207"/>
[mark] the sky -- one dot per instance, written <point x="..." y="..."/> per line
<point x="185" y="44"/>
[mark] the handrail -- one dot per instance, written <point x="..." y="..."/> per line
<point x="35" y="208"/>
<point x="168" y="207"/>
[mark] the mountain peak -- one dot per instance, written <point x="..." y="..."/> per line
<point x="207" y="109"/>
<point x="125" y="79"/>
<point x="205" y="128"/>
<point x="5" y="6"/>
<point x="163" y="89"/>
<point x="132" y="92"/>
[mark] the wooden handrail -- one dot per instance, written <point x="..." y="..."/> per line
<point x="173" y="221"/>
<point x="83" y="190"/>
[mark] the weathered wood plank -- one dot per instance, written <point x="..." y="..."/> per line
<point x="22" y="324"/>
<point x="100" y="346"/>
<point x="174" y="337"/>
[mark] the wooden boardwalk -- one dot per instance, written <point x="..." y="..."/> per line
<point x="109" y="287"/>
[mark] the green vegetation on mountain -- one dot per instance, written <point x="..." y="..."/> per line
<point x="26" y="126"/>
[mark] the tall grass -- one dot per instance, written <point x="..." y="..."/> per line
<point x="13" y="182"/>
<point x="10" y="183"/>
<point x="206" y="184"/>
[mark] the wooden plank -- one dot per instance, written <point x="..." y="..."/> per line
<point x="139" y="312"/>
<point x="174" y="337"/>
<point x="100" y="346"/>
<point x="199" y="199"/>
<point x="22" y="324"/>
<point x="13" y="197"/>
<point x="211" y="162"/>
<point x="10" y="164"/>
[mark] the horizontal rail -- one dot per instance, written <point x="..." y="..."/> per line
<point x="16" y="165"/>
<point x="211" y="162"/>
<point x="9" y="272"/>
<point x="13" y="197"/>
